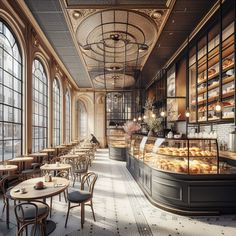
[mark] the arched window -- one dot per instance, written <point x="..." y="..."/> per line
<point x="11" y="86"/>
<point x="56" y="113"/>
<point x="39" y="107"/>
<point x="83" y="120"/>
<point x="68" y="117"/>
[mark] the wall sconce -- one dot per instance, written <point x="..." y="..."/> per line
<point x="187" y="113"/>
<point x="218" y="106"/>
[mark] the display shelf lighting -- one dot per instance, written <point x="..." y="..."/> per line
<point x="163" y="114"/>
<point x="218" y="106"/>
<point x="187" y="113"/>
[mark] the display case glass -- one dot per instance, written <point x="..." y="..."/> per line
<point x="134" y="149"/>
<point x="116" y="137"/>
<point x="181" y="156"/>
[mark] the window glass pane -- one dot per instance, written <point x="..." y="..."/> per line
<point x="68" y="117"/>
<point x="56" y="112"/>
<point x="40" y="104"/>
<point x="10" y="94"/>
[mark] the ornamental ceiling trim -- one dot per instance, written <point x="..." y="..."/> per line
<point x="91" y="57"/>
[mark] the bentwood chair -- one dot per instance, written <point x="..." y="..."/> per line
<point x="79" y="168"/>
<point x="31" y="213"/>
<point x="62" y="174"/>
<point x="82" y="196"/>
<point x="6" y="183"/>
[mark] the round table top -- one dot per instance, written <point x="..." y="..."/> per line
<point x="82" y="149"/>
<point x="38" y="154"/>
<point x="80" y="153"/>
<point x="55" y="167"/>
<point x="69" y="156"/>
<point x="60" y="147"/>
<point x="8" y="167"/>
<point x="21" y="159"/>
<point x="55" y="187"/>
<point x="48" y="150"/>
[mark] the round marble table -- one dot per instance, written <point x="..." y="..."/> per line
<point x="55" y="167"/>
<point x="21" y="160"/>
<point x="39" y="156"/>
<point x="8" y="168"/>
<point x="53" y="188"/>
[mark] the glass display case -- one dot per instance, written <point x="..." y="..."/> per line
<point x="116" y="138"/>
<point x="181" y="156"/>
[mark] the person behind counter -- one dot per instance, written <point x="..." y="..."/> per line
<point x="94" y="140"/>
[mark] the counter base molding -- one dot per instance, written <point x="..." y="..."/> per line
<point x="185" y="194"/>
<point x="117" y="153"/>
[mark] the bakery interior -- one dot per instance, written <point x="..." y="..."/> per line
<point x="125" y="106"/>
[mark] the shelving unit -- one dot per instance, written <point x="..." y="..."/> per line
<point x="212" y="73"/>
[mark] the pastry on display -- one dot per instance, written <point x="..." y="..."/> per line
<point x="211" y="72"/>
<point x="227" y="62"/>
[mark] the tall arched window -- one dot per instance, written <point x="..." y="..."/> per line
<point x="56" y="113"/>
<point x="39" y="107"/>
<point x="10" y="94"/>
<point x="68" y="117"/>
<point x="83" y="120"/>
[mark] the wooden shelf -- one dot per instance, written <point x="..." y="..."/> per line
<point x="215" y="75"/>
<point x="211" y="99"/>
<point x="213" y="86"/>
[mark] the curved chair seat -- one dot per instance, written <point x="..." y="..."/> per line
<point x="82" y="197"/>
<point x="30" y="211"/>
<point x="79" y="196"/>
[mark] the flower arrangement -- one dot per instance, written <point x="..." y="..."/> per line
<point x="131" y="126"/>
<point x="153" y="123"/>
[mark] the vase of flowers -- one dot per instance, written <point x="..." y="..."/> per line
<point x="130" y="127"/>
<point x="153" y="123"/>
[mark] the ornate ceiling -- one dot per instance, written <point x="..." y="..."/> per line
<point x="114" y="43"/>
<point x="104" y="44"/>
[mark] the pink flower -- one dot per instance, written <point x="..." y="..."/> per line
<point x="131" y="126"/>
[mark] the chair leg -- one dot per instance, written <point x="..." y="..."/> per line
<point x="91" y="205"/>
<point x="65" y="196"/>
<point x="50" y="213"/>
<point x="67" y="215"/>
<point x="74" y="180"/>
<point x="7" y="212"/>
<point x="82" y="215"/>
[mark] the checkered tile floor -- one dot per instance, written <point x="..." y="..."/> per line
<point x="122" y="209"/>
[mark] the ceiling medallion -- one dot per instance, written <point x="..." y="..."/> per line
<point x="112" y="81"/>
<point x="115" y="37"/>
<point x="114" y="67"/>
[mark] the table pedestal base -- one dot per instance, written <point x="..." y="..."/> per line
<point x="50" y="227"/>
